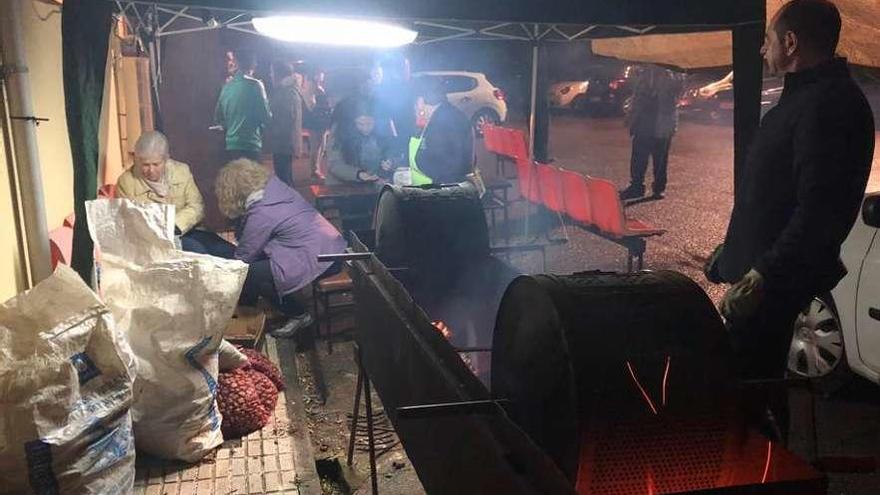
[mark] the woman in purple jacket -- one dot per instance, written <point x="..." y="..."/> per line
<point x="280" y="236"/>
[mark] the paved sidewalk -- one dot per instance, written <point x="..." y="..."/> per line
<point x="266" y="461"/>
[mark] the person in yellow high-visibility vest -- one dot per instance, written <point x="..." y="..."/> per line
<point x="443" y="153"/>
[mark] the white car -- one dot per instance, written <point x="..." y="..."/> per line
<point x="568" y="94"/>
<point x="472" y="93"/>
<point x="839" y="333"/>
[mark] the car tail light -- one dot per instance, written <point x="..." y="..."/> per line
<point x="616" y="84"/>
<point x="499" y="94"/>
<point x="565" y="90"/>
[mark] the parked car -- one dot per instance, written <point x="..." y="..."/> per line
<point x="714" y="101"/>
<point x="838" y="334"/>
<point x="605" y="89"/>
<point x="568" y="95"/>
<point x="472" y="93"/>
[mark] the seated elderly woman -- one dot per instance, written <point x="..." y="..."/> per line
<point x="156" y="178"/>
<point x="279" y="235"/>
<point x="358" y="155"/>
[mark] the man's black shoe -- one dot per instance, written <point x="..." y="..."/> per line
<point x="632" y="193"/>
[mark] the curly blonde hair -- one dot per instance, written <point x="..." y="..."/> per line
<point x="236" y="181"/>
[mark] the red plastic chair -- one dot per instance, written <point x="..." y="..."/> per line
<point x="528" y="180"/>
<point x="550" y="187"/>
<point x="608" y="212"/>
<point x="576" y="196"/>
<point x="517" y="144"/>
<point x="490" y="138"/>
<point x="107" y="191"/>
<point x="61" y="245"/>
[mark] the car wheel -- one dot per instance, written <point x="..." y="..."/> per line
<point x="817" y="350"/>
<point x="483" y="117"/>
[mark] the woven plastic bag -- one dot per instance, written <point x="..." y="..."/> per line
<point x="174" y="306"/>
<point x="65" y="393"/>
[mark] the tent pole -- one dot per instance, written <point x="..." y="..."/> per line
<point x="748" y="66"/>
<point x="532" y="108"/>
<point x="534" y="97"/>
<point x="24" y="137"/>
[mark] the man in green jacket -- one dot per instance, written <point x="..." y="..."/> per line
<point x="243" y="110"/>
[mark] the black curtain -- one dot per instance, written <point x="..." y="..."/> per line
<point x="85" y="35"/>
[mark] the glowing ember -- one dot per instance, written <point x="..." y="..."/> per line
<point x="638" y="384"/>
<point x="441" y="327"/>
<point x="767" y="463"/>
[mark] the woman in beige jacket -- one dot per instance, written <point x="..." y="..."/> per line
<point x="156" y="178"/>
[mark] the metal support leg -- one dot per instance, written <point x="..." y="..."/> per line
<point x="357" y="406"/>
<point x="629" y="262"/>
<point x="315" y="296"/>
<point x="506" y="217"/>
<point x="329" y="321"/>
<point x="544" y="260"/>
<point x="492" y="232"/>
<point x="374" y="480"/>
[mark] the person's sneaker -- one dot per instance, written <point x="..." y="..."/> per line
<point x="292" y="326"/>
<point x="632" y="192"/>
<point x="658" y="195"/>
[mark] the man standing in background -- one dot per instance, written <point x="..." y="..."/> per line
<point x="285" y="131"/>
<point x="242" y="110"/>
<point x="394" y="105"/>
<point x="652" y="121"/>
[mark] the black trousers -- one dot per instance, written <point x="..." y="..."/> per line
<point x="200" y="241"/>
<point x="760" y="348"/>
<point x="283" y="167"/>
<point x="259" y="282"/>
<point x="657" y="149"/>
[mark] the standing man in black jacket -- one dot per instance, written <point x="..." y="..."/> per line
<point x="799" y="193"/>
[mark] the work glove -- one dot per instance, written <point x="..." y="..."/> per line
<point x="710" y="268"/>
<point x="744" y="297"/>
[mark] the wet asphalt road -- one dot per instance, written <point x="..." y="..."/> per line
<point x="695" y="212"/>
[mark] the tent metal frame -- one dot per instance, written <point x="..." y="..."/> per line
<point x="160" y="20"/>
<point x="143" y="18"/>
<point x="145" y="15"/>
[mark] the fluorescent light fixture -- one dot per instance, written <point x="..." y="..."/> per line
<point x="333" y="31"/>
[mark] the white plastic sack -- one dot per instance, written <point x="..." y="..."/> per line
<point x="174" y="306"/>
<point x="65" y="393"/>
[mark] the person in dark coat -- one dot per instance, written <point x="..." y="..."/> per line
<point x="280" y="236"/>
<point x="394" y="102"/>
<point x="798" y="195"/>
<point x="445" y="153"/>
<point x="652" y="120"/>
<point x="285" y="127"/>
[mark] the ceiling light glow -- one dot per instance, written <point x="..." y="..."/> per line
<point x="333" y="31"/>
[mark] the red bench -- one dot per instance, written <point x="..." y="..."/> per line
<point x="550" y="187"/>
<point x="592" y="204"/>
